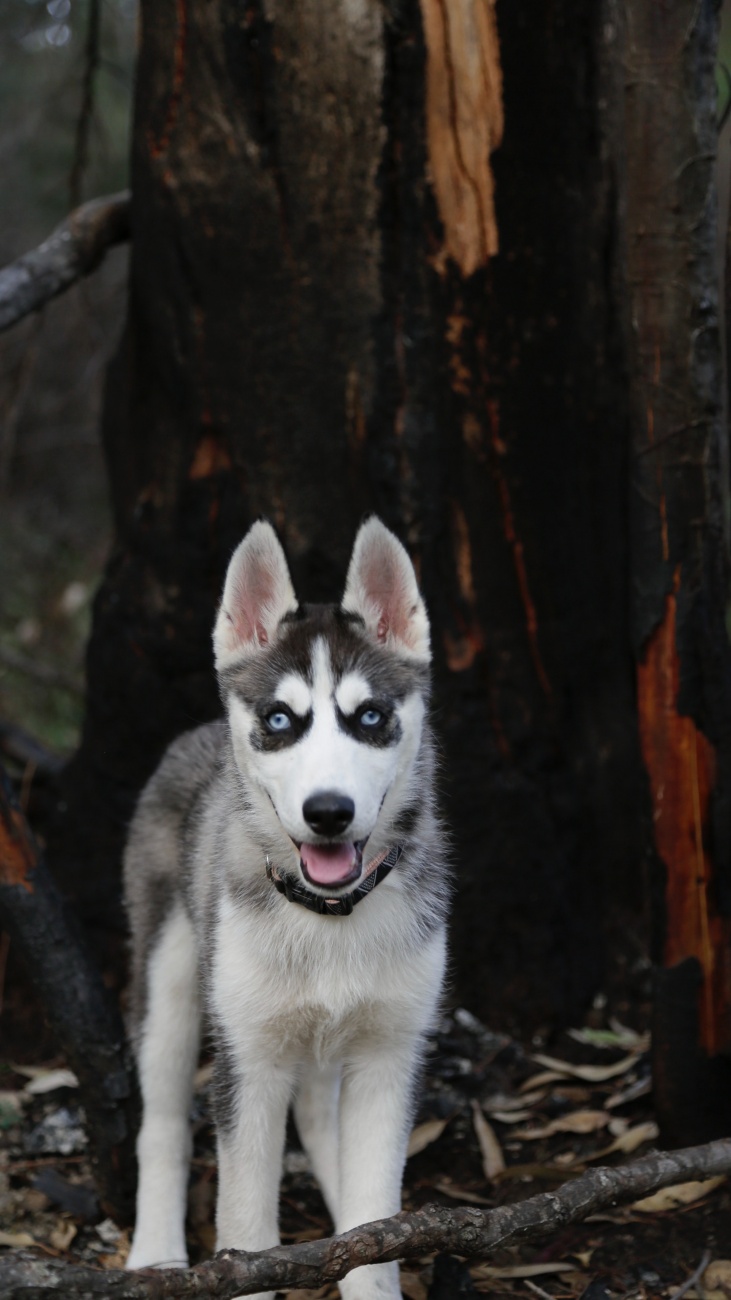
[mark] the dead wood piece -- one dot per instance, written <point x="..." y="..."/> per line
<point x="461" y="1230"/>
<point x="87" y="1024"/>
<point x="75" y="248"/>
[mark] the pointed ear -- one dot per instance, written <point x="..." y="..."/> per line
<point x="257" y="594"/>
<point x="381" y="587"/>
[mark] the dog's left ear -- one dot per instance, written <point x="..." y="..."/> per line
<point x="381" y="587"/>
<point x="257" y="594"/>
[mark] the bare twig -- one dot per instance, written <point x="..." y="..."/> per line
<point x="75" y="248"/>
<point x="461" y="1230"/>
<point x="86" y="111"/>
<point x="694" y="1278"/>
<point x="87" y="1023"/>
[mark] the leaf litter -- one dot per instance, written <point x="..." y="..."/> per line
<point x="490" y="1130"/>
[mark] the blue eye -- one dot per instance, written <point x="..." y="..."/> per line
<point x="278" y="721"/>
<point x="370" y="718"/>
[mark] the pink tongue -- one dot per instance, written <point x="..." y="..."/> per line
<point x="328" y="864"/>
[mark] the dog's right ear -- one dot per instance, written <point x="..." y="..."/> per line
<point x="257" y="594"/>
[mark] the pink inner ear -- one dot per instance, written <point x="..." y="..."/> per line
<point x="253" y="592"/>
<point x="386" y="588"/>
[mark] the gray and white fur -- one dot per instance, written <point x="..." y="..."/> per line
<point x="324" y="762"/>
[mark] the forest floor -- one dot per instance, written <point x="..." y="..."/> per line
<point x="497" y="1122"/>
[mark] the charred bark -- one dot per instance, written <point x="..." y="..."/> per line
<point x="83" y="1017"/>
<point x="319" y="325"/>
<point x="680" y="578"/>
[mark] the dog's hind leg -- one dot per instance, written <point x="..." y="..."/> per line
<point x="167" y="1056"/>
<point x="316" y="1110"/>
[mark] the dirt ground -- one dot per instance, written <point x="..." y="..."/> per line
<point x="498" y="1121"/>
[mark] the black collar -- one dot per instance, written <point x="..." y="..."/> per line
<point x="343" y="906"/>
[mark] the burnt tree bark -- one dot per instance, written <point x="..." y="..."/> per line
<point x="378" y="264"/>
<point x="679" y="547"/>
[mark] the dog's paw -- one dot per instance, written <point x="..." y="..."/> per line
<point x="143" y="1257"/>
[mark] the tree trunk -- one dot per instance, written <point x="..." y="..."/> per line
<point x="680" y="590"/>
<point x="352" y="289"/>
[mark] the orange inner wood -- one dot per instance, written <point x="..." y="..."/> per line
<point x="680" y="763"/>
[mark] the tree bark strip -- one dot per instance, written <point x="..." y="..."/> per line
<point x="465" y="1231"/>
<point x="679" y="556"/>
<point x="311" y="337"/>
<point x="75" y="248"/>
<point x="81" y="1013"/>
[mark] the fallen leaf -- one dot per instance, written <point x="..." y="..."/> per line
<point x="49" y="1081"/>
<point x="10" y="1108"/>
<point x="670" y="1198"/>
<point x="15" y="1239"/>
<point x="540" y="1080"/>
<point x="522" y="1270"/>
<point x="460" y="1194"/>
<point x="717" y="1276"/>
<point x="493" y="1160"/>
<point x="63" y="1234"/>
<point x="411" y="1286"/>
<point x="618" y="1036"/>
<point x="640" y="1088"/>
<point x="629" y="1141"/>
<point x="510" y="1116"/>
<point x="589" y="1073"/>
<point x="579" y="1121"/>
<point x="500" y="1102"/>
<point x="584" y="1257"/>
<point x="424" y="1134"/>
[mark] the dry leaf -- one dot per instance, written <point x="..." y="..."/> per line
<point x="493" y="1160"/>
<point x="424" y="1134"/>
<point x="499" y="1102"/>
<point x="618" y="1036"/>
<point x="540" y="1080"/>
<point x="49" y="1081"/>
<point x="63" y="1234"/>
<point x="717" y="1276"/>
<point x="411" y="1286"/>
<point x="589" y="1073"/>
<point x="17" y="1239"/>
<point x="628" y="1141"/>
<point x="584" y="1257"/>
<point x="640" y="1088"/>
<point x="670" y="1198"/>
<point x="510" y="1116"/>
<point x="522" y="1270"/>
<point x="460" y="1194"/>
<point x="579" y="1121"/>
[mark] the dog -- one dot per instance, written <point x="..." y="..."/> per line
<point x="286" y="882"/>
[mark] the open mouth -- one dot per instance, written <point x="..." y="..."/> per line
<point x="331" y="865"/>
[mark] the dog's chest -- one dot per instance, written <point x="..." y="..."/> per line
<point x="293" y="994"/>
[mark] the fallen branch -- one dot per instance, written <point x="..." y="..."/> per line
<point x="75" y="248"/>
<point x="81" y="1013"/>
<point x="463" y="1231"/>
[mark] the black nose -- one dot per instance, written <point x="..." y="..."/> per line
<point x="328" y="813"/>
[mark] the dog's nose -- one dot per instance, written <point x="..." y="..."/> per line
<point x="328" y="813"/>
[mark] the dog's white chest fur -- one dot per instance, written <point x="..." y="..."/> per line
<point x="285" y="879"/>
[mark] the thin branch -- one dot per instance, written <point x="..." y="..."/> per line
<point x="462" y="1231"/>
<point x="86" y="1022"/>
<point x="86" y="111"/>
<point x="75" y="248"/>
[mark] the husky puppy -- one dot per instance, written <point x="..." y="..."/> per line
<point x="285" y="876"/>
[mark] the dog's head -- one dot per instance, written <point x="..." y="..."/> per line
<point x="326" y="703"/>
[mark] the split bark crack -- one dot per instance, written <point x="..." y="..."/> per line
<point x="462" y="1230"/>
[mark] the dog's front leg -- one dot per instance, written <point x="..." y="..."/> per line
<point x="251" y="1106"/>
<point x="375" y="1113"/>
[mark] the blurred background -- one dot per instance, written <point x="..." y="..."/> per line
<point x="58" y="146"/>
